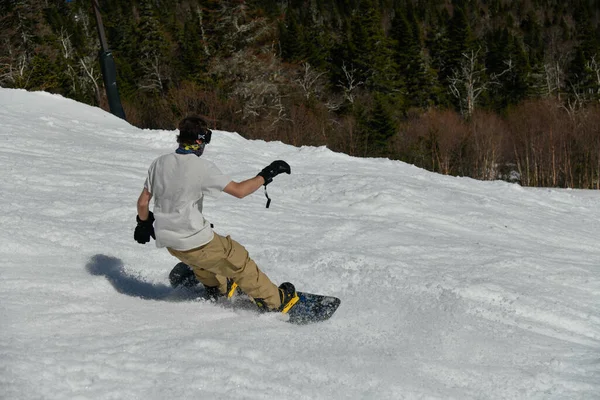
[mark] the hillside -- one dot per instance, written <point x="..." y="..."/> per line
<point x="451" y="288"/>
<point x="485" y="89"/>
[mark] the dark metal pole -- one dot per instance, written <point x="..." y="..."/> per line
<point x="109" y="69"/>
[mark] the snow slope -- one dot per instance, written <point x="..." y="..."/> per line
<point x="451" y="288"/>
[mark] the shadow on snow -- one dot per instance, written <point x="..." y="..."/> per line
<point x="112" y="269"/>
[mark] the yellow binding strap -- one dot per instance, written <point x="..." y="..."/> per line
<point x="290" y="304"/>
<point x="232" y="290"/>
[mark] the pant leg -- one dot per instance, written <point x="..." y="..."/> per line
<point x="226" y="257"/>
<point x="206" y="278"/>
<point x="244" y="271"/>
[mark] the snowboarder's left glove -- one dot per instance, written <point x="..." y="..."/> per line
<point x="274" y="169"/>
<point x="144" y="229"/>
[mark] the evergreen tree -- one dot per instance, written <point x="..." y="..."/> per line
<point x="369" y="49"/>
<point x="121" y="32"/>
<point x="459" y="33"/>
<point x="412" y="68"/>
<point x="380" y="126"/>
<point x="44" y="74"/>
<point x="291" y="38"/>
<point x="303" y="42"/>
<point x="151" y="50"/>
<point x="340" y="58"/>
<point x="438" y="44"/>
<point x="537" y="87"/>
<point x="508" y="69"/>
<point x="533" y="38"/>
<point x="193" y="54"/>
<point x="316" y="44"/>
<point x="585" y="65"/>
<point x="460" y="42"/>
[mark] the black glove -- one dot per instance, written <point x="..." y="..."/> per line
<point x="144" y="229"/>
<point x="274" y="169"/>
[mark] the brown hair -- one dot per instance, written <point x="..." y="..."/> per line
<point x="191" y="129"/>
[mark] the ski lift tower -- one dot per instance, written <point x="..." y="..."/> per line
<point x="109" y="70"/>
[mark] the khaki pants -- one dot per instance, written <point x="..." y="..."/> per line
<point x="224" y="258"/>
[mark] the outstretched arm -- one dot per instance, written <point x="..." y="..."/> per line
<point x="264" y="177"/>
<point x="244" y="188"/>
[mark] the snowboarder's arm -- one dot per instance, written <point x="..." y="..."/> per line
<point x="143" y="204"/>
<point x="264" y="177"/>
<point x="244" y="188"/>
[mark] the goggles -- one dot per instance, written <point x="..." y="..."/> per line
<point x="205" y="136"/>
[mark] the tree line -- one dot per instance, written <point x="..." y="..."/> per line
<point x="490" y="89"/>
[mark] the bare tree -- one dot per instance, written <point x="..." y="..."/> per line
<point x="557" y="56"/>
<point x="593" y="66"/>
<point x="89" y="68"/>
<point x="13" y="64"/>
<point x="202" y="33"/>
<point x="309" y="80"/>
<point x="469" y="81"/>
<point x="350" y="83"/>
<point x="257" y="81"/>
<point x="153" y="73"/>
<point x="67" y="52"/>
<point x="487" y="130"/>
<point x="16" y="33"/>
<point x="87" y="76"/>
<point x="585" y="88"/>
<point x="65" y="42"/>
<point x="238" y="27"/>
<point x="555" y="78"/>
<point x="281" y="113"/>
<point x="334" y="103"/>
<point x="574" y="101"/>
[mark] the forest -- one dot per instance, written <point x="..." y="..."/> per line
<point x="488" y="89"/>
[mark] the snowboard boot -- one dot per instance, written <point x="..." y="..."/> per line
<point x="232" y="288"/>
<point x="288" y="296"/>
<point x="213" y="293"/>
<point x="182" y="275"/>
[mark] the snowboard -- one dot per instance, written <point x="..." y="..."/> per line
<point x="309" y="308"/>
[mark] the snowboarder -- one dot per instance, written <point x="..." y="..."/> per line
<point x="178" y="182"/>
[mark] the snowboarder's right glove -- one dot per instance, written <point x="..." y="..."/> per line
<point x="274" y="169"/>
<point x="144" y="229"/>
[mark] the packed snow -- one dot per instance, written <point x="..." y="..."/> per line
<point x="451" y="288"/>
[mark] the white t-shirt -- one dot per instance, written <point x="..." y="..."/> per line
<point x="178" y="183"/>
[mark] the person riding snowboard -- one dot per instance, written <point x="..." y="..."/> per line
<point x="178" y="182"/>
